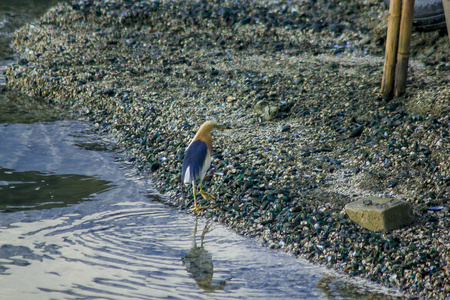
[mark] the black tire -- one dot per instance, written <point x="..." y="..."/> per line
<point x="428" y="15"/>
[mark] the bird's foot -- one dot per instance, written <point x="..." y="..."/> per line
<point x="197" y="209"/>
<point x="207" y="196"/>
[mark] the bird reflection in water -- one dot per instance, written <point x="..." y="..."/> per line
<point x="199" y="264"/>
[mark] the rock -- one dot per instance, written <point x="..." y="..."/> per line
<point x="266" y="110"/>
<point x="380" y="214"/>
<point x="357" y="132"/>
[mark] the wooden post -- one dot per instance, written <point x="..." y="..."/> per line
<point x="387" y="83"/>
<point x="446" y="4"/>
<point x="403" y="47"/>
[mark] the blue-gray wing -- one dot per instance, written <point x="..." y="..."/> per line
<point x="194" y="161"/>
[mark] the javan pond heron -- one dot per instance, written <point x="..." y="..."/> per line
<point x="198" y="159"/>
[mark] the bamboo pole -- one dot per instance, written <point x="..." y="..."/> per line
<point x="387" y="83"/>
<point x="446" y="4"/>
<point x="403" y="47"/>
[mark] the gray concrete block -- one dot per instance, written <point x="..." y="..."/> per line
<point x="380" y="214"/>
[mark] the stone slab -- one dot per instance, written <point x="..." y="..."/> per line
<point x="380" y="214"/>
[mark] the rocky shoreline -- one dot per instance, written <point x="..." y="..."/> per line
<point x="298" y="83"/>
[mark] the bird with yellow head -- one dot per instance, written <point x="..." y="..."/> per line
<point x="197" y="160"/>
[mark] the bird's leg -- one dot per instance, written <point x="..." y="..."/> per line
<point x="195" y="197"/>
<point x="196" y="207"/>
<point x="207" y="196"/>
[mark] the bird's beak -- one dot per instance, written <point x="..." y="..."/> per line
<point x="223" y="127"/>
